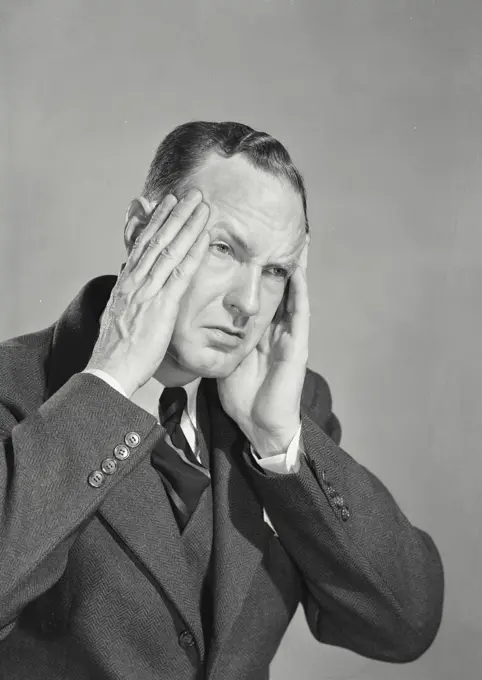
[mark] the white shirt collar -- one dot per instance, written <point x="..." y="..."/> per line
<point x="191" y="391"/>
<point x="149" y="394"/>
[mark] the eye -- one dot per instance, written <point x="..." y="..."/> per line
<point x="278" y="272"/>
<point x="221" y="248"/>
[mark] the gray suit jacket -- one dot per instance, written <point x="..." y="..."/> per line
<point x="93" y="581"/>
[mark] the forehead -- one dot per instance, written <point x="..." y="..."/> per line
<point x="254" y="203"/>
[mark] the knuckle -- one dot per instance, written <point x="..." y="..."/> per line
<point x="154" y="241"/>
<point x="121" y="287"/>
<point x="167" y="253"/>
<point x="179" y="210"/>
<point x="190" y="256"/>
<point x="177" y="273"/>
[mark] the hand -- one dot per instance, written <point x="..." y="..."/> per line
<point x="140" y="315"/>
<point x="263" y="394"/>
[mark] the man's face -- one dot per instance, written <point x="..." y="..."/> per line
<point x="257" y="232"/>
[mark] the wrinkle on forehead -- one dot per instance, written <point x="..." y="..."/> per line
<point x="257" y="203"/>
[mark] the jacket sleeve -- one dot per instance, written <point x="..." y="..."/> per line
<point x="372" y="582"/>
<point x="45" y="497"/>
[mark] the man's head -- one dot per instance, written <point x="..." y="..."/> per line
<point x="258" y="226"/>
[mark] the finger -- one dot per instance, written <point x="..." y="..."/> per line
<point x="174" y="253"/>
<point x="160" y="214"/>
<point x="264" y="344"/>
<point x="172" y="242"/>
<point x="157" y="234"/>
<point x="182" y="274"/>
<point x="298" y="305"/>
<point x="177" y="218"/>
<point x="157" y="217"/>
<point x="303" y="261"/>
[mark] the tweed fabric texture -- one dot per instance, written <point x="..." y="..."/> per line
<point x="99" y="583"/>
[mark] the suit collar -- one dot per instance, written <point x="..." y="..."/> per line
<point x="139" y="513"/>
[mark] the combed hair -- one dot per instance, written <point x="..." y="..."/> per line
<point x="187" y="146"/>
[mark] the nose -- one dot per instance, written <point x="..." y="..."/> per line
<point x="245" y="290"/>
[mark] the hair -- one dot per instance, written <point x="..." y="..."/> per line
<point x="187" y="146"/>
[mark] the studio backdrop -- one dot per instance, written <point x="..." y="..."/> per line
<point x="380" y="104"/>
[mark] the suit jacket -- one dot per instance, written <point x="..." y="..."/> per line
<point x="94" y="582"/>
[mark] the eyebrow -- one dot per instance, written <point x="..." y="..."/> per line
<point x="289" y="265"/>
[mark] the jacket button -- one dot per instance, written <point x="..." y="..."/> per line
<point x="132" y="439"/>
<point x="109" y="466"/>
<point x="332" y="492"/>
<point x="345" y="514"/>
<point x="186" y="639"/>
<point x="339" y="501"/>
<point x="96" y="479"/>
<point x="122" y="452"/>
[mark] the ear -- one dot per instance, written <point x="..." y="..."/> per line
<point x="138" y="215"/>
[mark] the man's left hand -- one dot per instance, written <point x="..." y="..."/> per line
<point x="263" y="393"/>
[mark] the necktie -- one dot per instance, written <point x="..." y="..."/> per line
<point x="184" y="483"/>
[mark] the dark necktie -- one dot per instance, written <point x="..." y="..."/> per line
<point x="184" y="483"/>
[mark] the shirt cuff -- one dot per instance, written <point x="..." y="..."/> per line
<point x="282" y="463"/>
<point x="107" y="378"/>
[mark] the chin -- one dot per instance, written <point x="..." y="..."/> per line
<point x="216" y="372"/>
<point x="208" y="362"/>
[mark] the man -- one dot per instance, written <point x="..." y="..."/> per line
<point x="172" y="485"/>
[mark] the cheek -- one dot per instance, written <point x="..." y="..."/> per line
<point x="203" y="290"/>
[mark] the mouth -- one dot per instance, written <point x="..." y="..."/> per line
<point x="225" y="335"/>
<point x="228" y="331"/>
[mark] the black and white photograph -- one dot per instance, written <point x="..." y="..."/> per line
<point x="240" y="339"/>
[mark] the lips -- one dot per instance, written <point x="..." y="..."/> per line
<point x="224" y="336"/>
<point x="229" y="331"/>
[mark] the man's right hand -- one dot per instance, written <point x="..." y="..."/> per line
<point x="140" y="315"/>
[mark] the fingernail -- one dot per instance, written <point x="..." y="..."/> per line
<point x="193" y="195"/>
<point x="170" y="199"/>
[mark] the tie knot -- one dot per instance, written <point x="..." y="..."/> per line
<point x="171" y="405"/>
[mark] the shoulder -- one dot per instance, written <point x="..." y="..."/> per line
<point x="23" y="371"/>
<point x="316" y="392"/>
<point x="316" y="401"/>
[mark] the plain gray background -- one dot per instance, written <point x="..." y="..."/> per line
<point x="380" y="105"/>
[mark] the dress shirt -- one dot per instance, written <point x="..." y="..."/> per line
<point x="147" y="397"/>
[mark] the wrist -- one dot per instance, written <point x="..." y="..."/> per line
<point x="117" y="376"/>
<point x="267" y="444"/>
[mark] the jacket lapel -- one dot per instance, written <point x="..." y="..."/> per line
<point x="139" y="512"/>
<point x="238" y="527"/>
